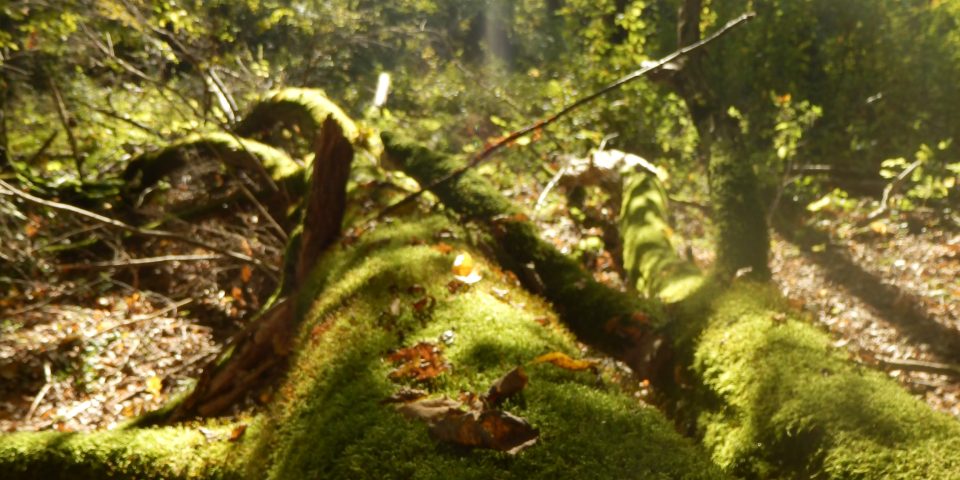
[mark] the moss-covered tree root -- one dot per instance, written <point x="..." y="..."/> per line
<point x="770" y="396"/>
<point x="617" y="323"/>
<point x="327" y="419"/>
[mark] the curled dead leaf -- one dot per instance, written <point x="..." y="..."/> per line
<point x="428" y="410"/>
<point x="491" y="429"/>
<point x="506" y="386"/>
<point x="237" y="432"/>
<point x="564" y="361"/>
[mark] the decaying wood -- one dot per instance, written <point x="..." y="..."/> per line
<point x="266" y="341"/>
<point x="327" y="200"/>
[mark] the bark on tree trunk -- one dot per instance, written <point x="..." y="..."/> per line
<point x="742" y="236"/>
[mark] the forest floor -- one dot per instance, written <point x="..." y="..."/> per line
<point x="888" y="293"/>
<point x="85" y="348"/>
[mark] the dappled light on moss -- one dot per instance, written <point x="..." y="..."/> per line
<point x="339" y="380"/>
<point x="793" y="402"/>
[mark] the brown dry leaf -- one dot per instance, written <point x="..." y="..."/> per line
<point x="428" y="410"/>
<point x="516" y="217"/>
<point x="245" y="246"/>
<point x="456" y="286"/>
<point x="420" y="362"/>
<point x="564" y="361"/>
<point x="237" y="432"/>
<point x="443" y="248"/>
<point x="506" y="386"/>
<point x="640" y="317"/>
<point x="237" y="294"/>
<point x="492" y="429"/>
<point x="132" y="299"/>
<point x="424" y="303"/>
<point x="246" y="273"/>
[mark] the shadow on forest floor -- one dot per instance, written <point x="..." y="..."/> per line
<point x="890" y="302"/>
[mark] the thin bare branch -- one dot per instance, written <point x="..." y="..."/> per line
<point x="137" y="262"/>
<point x="616" y="85"/>
<point x="134" y="229"/>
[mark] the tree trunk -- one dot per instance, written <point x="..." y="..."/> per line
<point x="742" y="236"/>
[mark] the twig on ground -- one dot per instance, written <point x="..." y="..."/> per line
<point x="158" y="313"/>
<point x="137" y="262"/>
<point x="47" y="375"/>
<point x="889" y="190"/>
<point x="948" y="369"/>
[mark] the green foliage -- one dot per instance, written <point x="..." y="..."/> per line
<point x="930" y="181"/>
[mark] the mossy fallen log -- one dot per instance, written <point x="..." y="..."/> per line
<point x="171" y="452"/>
<point x="649" y="257"/>
<point x="330" y="422"/>
<point x="327" y="419"/>
<point x="769" y="394"/>
<point x="617" y="323"/>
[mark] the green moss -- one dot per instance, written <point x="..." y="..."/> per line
<point x="329" y="422"/>
<point x="742" y="237"/>
<point x="789" y="402"/>
<point x="649" y="257"/>
<point x="771" y="397"/>
<point x="307" y="108"/>
<point x="172" y="452"/>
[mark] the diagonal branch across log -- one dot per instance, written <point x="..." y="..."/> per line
<point x="637" y="74"/>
